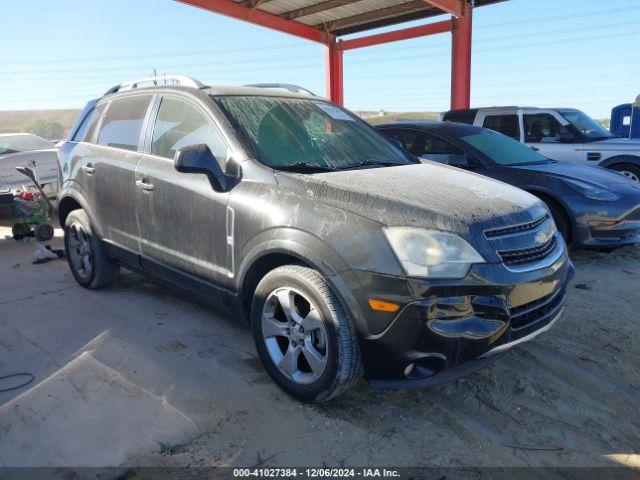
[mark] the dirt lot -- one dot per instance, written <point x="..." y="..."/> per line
<point x="138" y="374"/>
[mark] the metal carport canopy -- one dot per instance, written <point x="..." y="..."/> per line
<point x="325" y="21"/>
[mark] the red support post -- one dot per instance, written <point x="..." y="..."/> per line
<point x="335" y="90"/>
<point x="461" y="59"/>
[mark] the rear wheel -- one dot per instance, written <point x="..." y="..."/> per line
<point x="88" y="261"/>
<point x="629" y="170"/>
<point x="303" y="336"/>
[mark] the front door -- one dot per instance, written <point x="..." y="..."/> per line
<point x="183" y="221"/>
<point x="543" y="131"/>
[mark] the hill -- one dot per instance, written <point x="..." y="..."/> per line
<point x="20" y="120"/>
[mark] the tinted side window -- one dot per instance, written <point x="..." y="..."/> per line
<point x="86" y="132"/>
<point x="122" y="122"/>
<point x="180" y="124"/>
<point x="420" y="143"/>
<point x="541" y="128"/>
<point x="505" y="124"/>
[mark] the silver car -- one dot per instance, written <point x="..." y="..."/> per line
<point x="28" y="150"/>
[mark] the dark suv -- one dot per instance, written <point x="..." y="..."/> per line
<point x="344" y="255"/>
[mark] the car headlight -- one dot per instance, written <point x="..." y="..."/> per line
<point x="591" y="191"/>
<point x="430" y="253"/>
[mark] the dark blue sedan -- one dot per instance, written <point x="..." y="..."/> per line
<point x="592" y="206"/>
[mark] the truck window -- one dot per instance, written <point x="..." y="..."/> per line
<point x="508" y="125"/>
<point x="541" y="128"/>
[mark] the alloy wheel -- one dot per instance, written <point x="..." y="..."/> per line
<point x="630" y="175"/>
<point x="295" y="335"/>
<point x="80" y="252"/>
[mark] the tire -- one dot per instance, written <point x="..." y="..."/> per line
<point x="329" y="342"/>
<point x="43" y="232"/>
<point x="629" y="170"/>
<point x="20" y="230"/>
<point x="560" y="218"/>
<point x="86" y="254"/>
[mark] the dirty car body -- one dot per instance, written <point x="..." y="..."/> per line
<point x="307" y="183"/>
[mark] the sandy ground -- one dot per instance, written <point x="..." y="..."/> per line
<point x="137" y="374"/>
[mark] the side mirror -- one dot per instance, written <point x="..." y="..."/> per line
<point x="565" y="137"/>
<point x="199" y="159"/>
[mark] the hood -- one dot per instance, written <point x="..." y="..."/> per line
<point x="617" y="144"/>
<point x="427" y="195"/>
<point x="602" y="177"/>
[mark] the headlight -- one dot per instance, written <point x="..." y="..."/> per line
<point x="430" y="253"/>
<point x="591" y="191"/>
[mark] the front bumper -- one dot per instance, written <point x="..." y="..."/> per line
<point x="607" y="226"/>
<point x="445" y="331"/>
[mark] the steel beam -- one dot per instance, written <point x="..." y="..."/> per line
<point x="334" y="73"/>
<point x="454" y="7"/>
<point x="461" y="59"/>
<point x="396" y="35"/>
<point x="265" y="19"/>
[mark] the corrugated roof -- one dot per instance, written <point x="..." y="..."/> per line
<point x="342" y="17"/>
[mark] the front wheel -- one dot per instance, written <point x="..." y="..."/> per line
<point x="303" y="336"/>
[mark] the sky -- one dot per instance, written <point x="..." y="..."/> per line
<point x="546" y="53"/>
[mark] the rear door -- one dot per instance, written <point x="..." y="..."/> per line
<point x="183" y="221"/>
<point x="110" y="166"/>
<point x="506" y="122"/>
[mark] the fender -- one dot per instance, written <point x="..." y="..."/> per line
<point x="608" y="162"/>
<point x="535" y="190"/>
<point x="312" y="251"/>
<point x="78" y="197"/>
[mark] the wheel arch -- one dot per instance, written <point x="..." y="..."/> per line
<point x="618" y="159"/>
<point x="290" y="246"/>
<point x="549" y="198"/>
<point x="71" y="201"/>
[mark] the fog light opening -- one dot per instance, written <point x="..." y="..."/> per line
<point x="425" y="367"/>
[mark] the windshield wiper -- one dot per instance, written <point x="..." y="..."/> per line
<point x="372" y="163"/>
<point x="304" y="167"/>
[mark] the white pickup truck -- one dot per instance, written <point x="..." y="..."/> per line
<point x="563" y="134"/>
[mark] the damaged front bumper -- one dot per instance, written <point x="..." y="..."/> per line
<point x="446" y="331"/>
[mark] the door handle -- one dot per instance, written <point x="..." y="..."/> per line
<point x="535" y="148"/>
<point x="146" y="186"/>
<point x="88" y="168"/>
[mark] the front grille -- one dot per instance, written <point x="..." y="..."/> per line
<point x="527" y="255"/>
<point x="542" y="309"/>
<point x="499" y="232"/>
<point x="525" y="245"/>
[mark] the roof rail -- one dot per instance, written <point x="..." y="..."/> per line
<point x="283" y="86"/>
<point x="181" y="80"/>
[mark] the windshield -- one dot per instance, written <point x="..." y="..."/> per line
<point x="586" y="125"/>
<point x="503" y="150"/>
<point x="294" y="133"/>
<point x="21" y="143"/>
